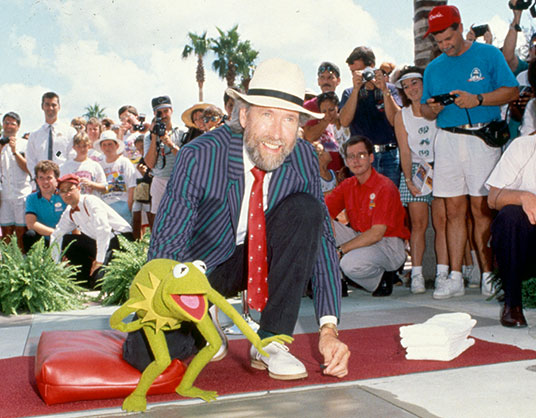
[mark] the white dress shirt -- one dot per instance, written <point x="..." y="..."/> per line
<point x="15" y="181"/>
<point x="93" y="218"/>
<point x="37" y="149"/>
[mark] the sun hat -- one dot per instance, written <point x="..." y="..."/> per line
<point x="276" y="83"/>
<point x="441" y="17"/>
<point x="406" y="76"/>
<point x="109" y="136"/>
<point x="187" y="114"/>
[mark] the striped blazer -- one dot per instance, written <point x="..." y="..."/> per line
<point x="198" y="215"/>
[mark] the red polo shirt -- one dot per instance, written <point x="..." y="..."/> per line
<point x="376" y="202"/>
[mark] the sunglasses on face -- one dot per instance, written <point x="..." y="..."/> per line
<point x="214" y="118"/>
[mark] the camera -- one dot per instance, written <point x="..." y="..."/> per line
<point x="444" y="99"/>
<point x="524" y="5"/>
<point x="480" y="30"/>
<point x="368" y="74"/>
<point x="4" y="140"/>
<point x="140" y="127"/>
<point x="159" y="127"/>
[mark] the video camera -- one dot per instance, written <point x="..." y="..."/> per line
<point x="480" y="30"/>
<point x="524" y="5"/>
<point x="444" y="99"/>
<point x="4" y="140"/>
<point x="159" y="127"/>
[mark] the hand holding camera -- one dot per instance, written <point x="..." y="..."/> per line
<point x="444" y="99"/>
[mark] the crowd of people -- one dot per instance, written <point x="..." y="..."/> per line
<point x="398" y="143"/>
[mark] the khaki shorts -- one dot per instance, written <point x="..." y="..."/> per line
<point x="462" y="164"/>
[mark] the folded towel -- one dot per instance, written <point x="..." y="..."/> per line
<point x="441" y="353"/>
<point x="421" y="341"/>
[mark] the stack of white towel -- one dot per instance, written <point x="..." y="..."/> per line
<point x="442" y="337"/>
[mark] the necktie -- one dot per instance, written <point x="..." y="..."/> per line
<point x="50" y="142"/>
<point x="257" y="260"/>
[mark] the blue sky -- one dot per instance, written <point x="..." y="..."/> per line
<point x="115" y="52"/>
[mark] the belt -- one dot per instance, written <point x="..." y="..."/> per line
<point x="385" y="147"/>
<point x="467" y="127"/>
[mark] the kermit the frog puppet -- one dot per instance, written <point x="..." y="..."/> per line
<point x="165" y="293"/>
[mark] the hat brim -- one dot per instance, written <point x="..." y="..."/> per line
<point x="96" y="145"/>
<point x="267" y="101"/>
<point x="187" y="114"/>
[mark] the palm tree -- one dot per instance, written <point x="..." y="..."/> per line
<point x="94" y="111"/>
<point x="425" y="49"/>
<point x="199" y="45"/>
<point x="232" y="55"/>
<point x="246" y="68"/>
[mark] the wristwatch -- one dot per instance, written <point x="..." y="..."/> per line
<point x="480" y="99"/>
<point x="330" y="326"/>
<point x="516" y="27"/>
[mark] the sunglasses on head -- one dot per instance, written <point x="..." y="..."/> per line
<point x="327" y="67"/>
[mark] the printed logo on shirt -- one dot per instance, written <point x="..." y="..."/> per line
<point x="116" y="182"/>
<point x="476" y="75"/>
<point x="58" y="207"/>
<point x="423" y="130"/>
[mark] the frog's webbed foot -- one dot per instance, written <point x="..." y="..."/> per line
<point x="135" y="403"/>
<point x="193" y="392"/>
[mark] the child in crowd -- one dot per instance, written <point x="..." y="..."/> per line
<point x="90" y="173"/>
<point x="120" y="175"/>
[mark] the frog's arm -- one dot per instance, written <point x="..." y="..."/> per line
<point x="137" y="401"/>
<point x="116" y="320"/>
<point x="186" y="388"/>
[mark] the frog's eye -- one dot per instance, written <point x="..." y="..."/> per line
<point x="200" y="265"/>
<point x="180" y="270"/>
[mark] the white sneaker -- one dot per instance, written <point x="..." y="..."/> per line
<point x="281" y="364"/>
<point x="222" y="351"/>
<point x="446" y="287"/>
<point x="487" y="287"/>
<point x="417" y="284"/>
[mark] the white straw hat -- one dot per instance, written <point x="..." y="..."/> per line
<point x="109" y="136"/>
<point x="276" y="83"/>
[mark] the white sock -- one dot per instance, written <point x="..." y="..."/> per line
<point x="442" y="268"/>
<point x="485" y="276"/>
<point x="416" y="270"/>
<point x="474" y="257"/>
<point x="456" y="275"/>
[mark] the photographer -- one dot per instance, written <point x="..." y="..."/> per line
<point x="132" y="124"/>
<point x="161" y="146"/>
<point x="14" y="178"/>
<point x="369" y="109"/>
<point x="478" y="31"/>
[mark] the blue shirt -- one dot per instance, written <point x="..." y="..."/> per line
<point x="480" y="69"/>
<point x="370" y="119"/>
<point x="47" y="212"/>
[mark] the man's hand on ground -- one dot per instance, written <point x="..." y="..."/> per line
<point x="335" y="353"/>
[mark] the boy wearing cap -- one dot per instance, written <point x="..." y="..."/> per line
<point x="120" y="174"/>
<point x="161" y="151"/>
<point x="98" y="224"/>
<point x="246" y="199"/>
<point x="478" y="77"/>
<point x="14" y="178"/>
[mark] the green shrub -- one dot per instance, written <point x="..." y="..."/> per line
<point x="35" y="282"/>
<point x="529" y="293"/>
<point x="120" y="271"/>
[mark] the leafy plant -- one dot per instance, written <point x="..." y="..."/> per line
<point x="35" y="282"/>
<point x="528" y="290"/>
<point x="119" y="273"/>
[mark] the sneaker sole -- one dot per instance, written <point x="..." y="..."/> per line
<point x="418" y="291"/>
<point x="473" y="285"/>
<point x="259" y="365"/>
<point x="440" y="297"/>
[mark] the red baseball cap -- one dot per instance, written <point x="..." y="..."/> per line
<point x="69" y="178"/>
<point x="441" y="17"/>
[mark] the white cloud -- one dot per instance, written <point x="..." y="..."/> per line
<point x="27" y="45"/>
<point x="24" y="100"/>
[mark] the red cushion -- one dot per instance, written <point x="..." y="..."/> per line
<point x="84" y="365"/>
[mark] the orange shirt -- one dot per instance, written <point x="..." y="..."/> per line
<point x="376" y="202"/>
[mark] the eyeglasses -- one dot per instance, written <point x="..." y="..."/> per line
<point x="65" y="191"/>
<point x="358" y="156"/>
<point x="214" y="118"/>
<point x="329" y="68"/>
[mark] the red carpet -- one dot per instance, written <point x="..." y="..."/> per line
<point x="376" y="352"/>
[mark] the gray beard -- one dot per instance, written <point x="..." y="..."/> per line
<point x="266" y="163"/>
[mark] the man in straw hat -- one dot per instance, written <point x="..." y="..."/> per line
<point x="246" y="199"/>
